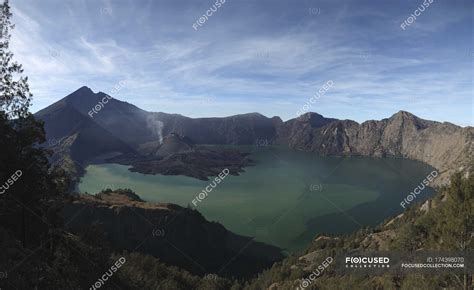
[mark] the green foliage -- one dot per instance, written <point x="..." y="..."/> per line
<point x="148" y="272"/>
<point x="456" y="216"/>
<point x="421" y="282"/>
<point x="26" y="207"/>
<point x="15" y="96"/>
<point x="409" y="237"/>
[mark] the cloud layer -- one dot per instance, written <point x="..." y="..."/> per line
<point x="254" y="56"/>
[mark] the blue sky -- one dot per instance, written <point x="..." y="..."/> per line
<point x="267" y="56"/>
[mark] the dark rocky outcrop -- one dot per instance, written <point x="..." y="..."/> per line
<point x="171" y="144"/>
<point x="200" y="163"/>
<point x="178" y="155"/>
<point x="176" y="235"/>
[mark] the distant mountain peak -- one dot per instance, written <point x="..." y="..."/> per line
<point x="314" y="119"/>
<point x="81" y="93"/>
<point x="84" y="89"/>
<point x="310" y="115"/>
<point x="403" y="114"/>
<point x="249" y="115"/>
<point x="404" y="118"/>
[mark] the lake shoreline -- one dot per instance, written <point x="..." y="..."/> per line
<point x="286" y="199"/>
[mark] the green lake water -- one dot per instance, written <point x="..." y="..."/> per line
<point x="287" y="198"/>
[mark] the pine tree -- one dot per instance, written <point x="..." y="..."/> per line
<point x="15" y="96"/>
<point x="22" y="210"/>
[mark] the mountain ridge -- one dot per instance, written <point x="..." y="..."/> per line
<point x="88" y="89"/>
<point x="445" y="146"/>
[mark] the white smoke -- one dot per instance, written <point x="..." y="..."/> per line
<point x="155" y="126"/>
<point x="159" y="130"/>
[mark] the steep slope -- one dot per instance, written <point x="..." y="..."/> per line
<point x="299" y="131"/>
<point x="243" y="129"/>
<point x="175" y="235"/>
<point x="122" y="120"/>
<point x="63" y="119"/>
<point x="445" y="146"/>
<point x="75" y="138"/>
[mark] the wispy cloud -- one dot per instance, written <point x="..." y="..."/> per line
<point x="266" y="56"/>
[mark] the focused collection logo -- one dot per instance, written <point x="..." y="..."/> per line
<point x="367" y="262"/>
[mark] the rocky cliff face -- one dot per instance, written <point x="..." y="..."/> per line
<point x="122" y="127"/>
<point x="176" y="235"/>
<point x="445" y="146"/>
<point x="242" y="129"/>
